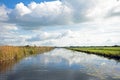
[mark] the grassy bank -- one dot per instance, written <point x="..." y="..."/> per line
<point x="110" y="52"/>
<point x="15" y="52"/>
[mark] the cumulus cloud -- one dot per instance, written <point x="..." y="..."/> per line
<point x="40" y="14"/>
<point x="103" y="9"/>
<point x="97" y="23"/>
<point x="63" y="12"/>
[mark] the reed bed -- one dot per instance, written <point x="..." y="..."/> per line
<point x="18" y="52"/>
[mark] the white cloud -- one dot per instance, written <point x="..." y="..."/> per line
<point x="89" y="35"/>
<point x="44" y="36"/>
<point x="40" y="14"/>
<point x="3" y="13"/>
<point x="97" y="23"/>
<point x="21" y="10"/>
<point x="36" y="15"/>
<point x="7" y="32"/>
<point x="10" y="35"/>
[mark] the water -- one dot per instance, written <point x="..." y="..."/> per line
<point x="63" y="64"/>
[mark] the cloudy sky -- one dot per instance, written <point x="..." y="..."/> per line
<point x="60" y="22"/>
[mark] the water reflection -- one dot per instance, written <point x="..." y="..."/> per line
<point x="5" y="66"/>
<point x="62" y="64"/>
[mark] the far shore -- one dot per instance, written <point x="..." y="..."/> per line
<point x="108" y="51"/>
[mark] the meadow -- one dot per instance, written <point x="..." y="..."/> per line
<point x="17" y="52"/>
<point x="109" y="51"/>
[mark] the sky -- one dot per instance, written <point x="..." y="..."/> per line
<point x="60" y="22"/>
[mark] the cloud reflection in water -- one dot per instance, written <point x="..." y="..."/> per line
<point x="62" y="64"/>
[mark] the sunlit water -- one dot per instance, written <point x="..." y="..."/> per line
<point x="63" y="64"/>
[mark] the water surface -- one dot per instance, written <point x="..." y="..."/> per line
<point x="63" y="64"/>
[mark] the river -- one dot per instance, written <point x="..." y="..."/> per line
<point x="63" y="64"/>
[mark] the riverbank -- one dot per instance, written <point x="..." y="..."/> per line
<point x="17" y="52"/>
<point x="110" y="52"/>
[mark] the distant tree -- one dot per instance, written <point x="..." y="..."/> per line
<point x="27" y="45"/>
<point x="116" y="46"/>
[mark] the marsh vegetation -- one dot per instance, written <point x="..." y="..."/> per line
<point x="18" y="52"/>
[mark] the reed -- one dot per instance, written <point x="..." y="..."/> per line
<point x="18" y="52"/>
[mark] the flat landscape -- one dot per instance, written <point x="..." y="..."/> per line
<point x="59" y="39"/>
<point x="111" y="52"/>
<point x="60" y="64"/>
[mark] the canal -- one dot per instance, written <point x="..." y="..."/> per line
<point x="61" y="64"/>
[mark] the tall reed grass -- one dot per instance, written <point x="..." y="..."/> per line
<point x="18" y="52"/>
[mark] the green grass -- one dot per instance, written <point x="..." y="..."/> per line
<point x="18" y="52"/>
<point x="111" y="52"/>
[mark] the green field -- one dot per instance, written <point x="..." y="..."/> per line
<point x="111" y="52"/>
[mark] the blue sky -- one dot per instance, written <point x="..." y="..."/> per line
<point x="12" y="3"/>
<point x="60" y="22"/>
